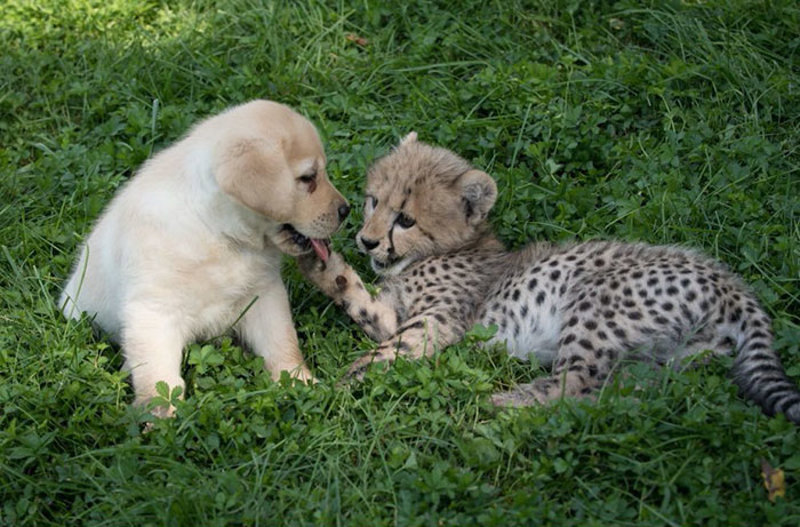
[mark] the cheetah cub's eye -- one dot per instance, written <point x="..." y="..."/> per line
<point x="405" y="221"/>
<point x="369" y="204"/>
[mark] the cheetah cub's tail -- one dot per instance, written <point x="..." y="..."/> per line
<point x="759" y="374"/>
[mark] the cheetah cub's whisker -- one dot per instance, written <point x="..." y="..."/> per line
<point x="579" y="307"/>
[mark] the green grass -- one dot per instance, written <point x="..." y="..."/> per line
<point x="668" y="122"/>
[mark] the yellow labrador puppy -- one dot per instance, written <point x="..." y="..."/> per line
<point x="197" y="235"/>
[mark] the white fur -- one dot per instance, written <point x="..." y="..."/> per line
<point x="174" y="259"/>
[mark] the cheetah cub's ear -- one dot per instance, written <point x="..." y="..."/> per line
<point x="478" y="192"/>
<point x="408" y="139"/>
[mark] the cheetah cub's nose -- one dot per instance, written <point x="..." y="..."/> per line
<point x="368" y="244"/>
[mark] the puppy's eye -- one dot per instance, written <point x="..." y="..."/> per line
<point x="308" y="178"/>
<point x="405" y="221"/>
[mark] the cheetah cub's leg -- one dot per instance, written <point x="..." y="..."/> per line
<point x="420" y="336"/>
<point x="339" y="281"/>
<point x="581" y="367"/>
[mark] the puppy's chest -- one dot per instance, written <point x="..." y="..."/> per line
<point x="226" y="281"/>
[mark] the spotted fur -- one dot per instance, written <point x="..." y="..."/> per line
<point x="579" y="308"/>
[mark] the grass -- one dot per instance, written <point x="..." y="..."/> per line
<point x="669" y="122"/>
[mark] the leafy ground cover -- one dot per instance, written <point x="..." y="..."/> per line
<point x="669" y="122"/>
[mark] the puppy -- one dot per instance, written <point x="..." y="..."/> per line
<point x="192" y="244"/>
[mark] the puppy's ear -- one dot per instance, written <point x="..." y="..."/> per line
<point x="478" y="192"/>
<point x="408" y="139"/>
<point x="255" y="173"/>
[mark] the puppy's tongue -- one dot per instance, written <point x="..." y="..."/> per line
<point x="321" y="248"/>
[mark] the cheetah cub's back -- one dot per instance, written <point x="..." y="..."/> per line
<point x="580" y="307"/>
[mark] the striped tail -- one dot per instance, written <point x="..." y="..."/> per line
<point x="759" y="374"/>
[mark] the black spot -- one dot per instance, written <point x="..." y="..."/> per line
<point x="637" y="274"/>
<point x="627" y="291"/>
<point x="652" y="281"/>
<point x="540" y="298"/>
<point x="735" y="315"/>
<point x="614" y="284"/>
<point x="532" y="284"/>
<point x="584" y="306"/>
<point x="555" y="275"/>
<point x="524" y="311"/>
<point x="418" y="324"/>
<point x="599" y="262"/>
<point x="440" y="318"/>
<point x="667" y="306"/>
<point x="568" y="339"/>
<point x="586" y="344"/>
<point x="592" y="369"/>
<point x="602" y="335"/>
<point x="619" y="333"/>
<point x="572" y="321"/>
<point x="515" y="296"/>
<point x="589" y="324"/>
<point x="628" y="303"/>
<point x="672" y="290"/>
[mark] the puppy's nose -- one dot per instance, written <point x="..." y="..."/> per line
<point x="344" y="210"/>
<point x="368" y="244"/>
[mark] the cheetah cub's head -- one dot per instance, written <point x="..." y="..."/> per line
<point x="421" y="201"/>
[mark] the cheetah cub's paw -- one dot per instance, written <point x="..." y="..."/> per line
<point x="520" y="397"/>
<point x="328" y="276"/>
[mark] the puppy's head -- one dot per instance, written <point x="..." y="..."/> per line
<point x="270" y="160"/>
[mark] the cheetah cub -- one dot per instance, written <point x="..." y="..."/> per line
<point x="578" y="307"/>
